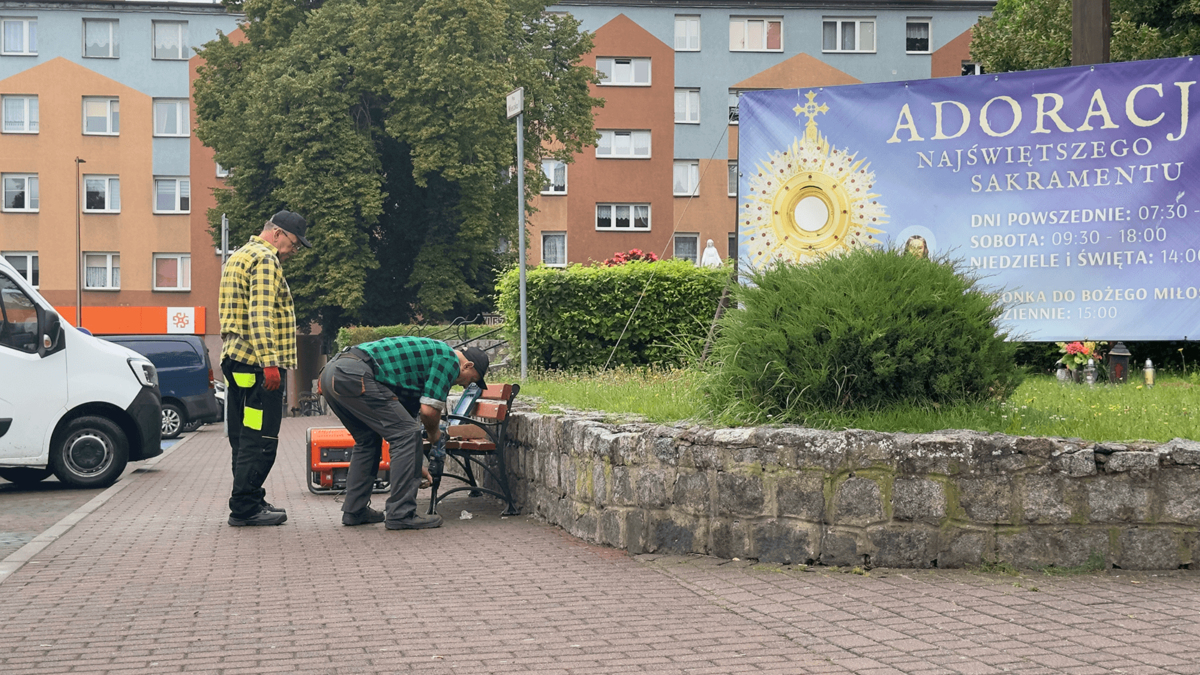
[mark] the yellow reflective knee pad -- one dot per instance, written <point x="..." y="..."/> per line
<point x="244" y="380"/>
<point x="252" y="418"/>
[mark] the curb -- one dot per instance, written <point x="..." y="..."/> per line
<point x="17" y="559"/>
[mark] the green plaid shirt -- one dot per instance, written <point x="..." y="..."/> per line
<point x="258" y="322"/>
<point x="415" y="366"/>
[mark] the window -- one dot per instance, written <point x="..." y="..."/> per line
<point x="222" y="172"/>
<point x="20" y="114"/>
<point x="554" y="249"/>
<point x="26" y="264"/>
<point x="172" y="272"/>
<point x="170" y="40"/>
<point x="171" y="117"/>
<point x="969" y="68"/>
<point x="622" y="216"/>
<point x="733" y="107"/>
<point x="102" y="271"/>
<point x="623" y="72"/>
<point x="916" y="36"/>
<point x="20" y="37"/>
<point x="687" y="33"/>
<point x="18" y="318"/>
<point x="172" y="195"/>
<point x="733" y="179"/>
<point x="101" y="116"/>
<point x="624" y="144"/>
<point x="101" y="194"/>
<point x="848" y="35"/>
<point x="755" y="35"/>
<point x="556" y="174"/>
<point x="20" y="192"/>
<point x="687" y="247"/>
<point x="100" y="39"/>
<point x="687" y="106"/>
<point x="687" y="178"/>
<point x="732" y="246"/>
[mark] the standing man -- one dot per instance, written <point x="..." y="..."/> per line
<point x="258" y="325"/>
<point x="378" y="390"/>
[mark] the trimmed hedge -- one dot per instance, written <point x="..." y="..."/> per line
<point x="576" y="314"/>
<point x="356" y="335"/>
<point x="864" y="330"/>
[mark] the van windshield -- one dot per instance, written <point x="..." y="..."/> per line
<point x="18" y="317"/>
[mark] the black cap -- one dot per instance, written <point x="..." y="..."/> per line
<point x="292" y="222"/>
<point x="480" y="359"/>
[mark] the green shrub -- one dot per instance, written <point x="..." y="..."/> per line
<point x="575" y="315"/>
<point x="863" y="330"/>
<point x="356" y="335"/>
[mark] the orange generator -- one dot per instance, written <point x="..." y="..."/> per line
<point x="329" y="460"/>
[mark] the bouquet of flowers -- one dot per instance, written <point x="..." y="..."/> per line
<point x="633" y="254"/>
<point x="1075" y="355"/>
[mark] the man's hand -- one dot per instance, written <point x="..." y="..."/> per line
<point x="271" y="378"/>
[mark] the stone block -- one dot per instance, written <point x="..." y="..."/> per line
<point x="1178" y="491"/>
<point x="1038" y="446"/>
<point x="676" y="535"/>
<point x="1044" y="499"/>
<point x="705" y="457"/>
<point x="550" y="470"/>
<point x="735" y="438"/>
<point x="691" y="492"/>
<point x="1182" y="451"/>
<point x="840" y="548"/>
<point x="961" y="548"/>
<point x="1117" y="499"/>
<point x="781" y="541"/>
<point x="801" y="495"/>
<point x="1037" y="547"/>
<point x="739" y="494"/>
<point x="584" y="525"/>
<point x="1142" y="548"/>
<point x="731" y="538"/>
<point x="996" y="454"/>
<point x="986" y="500"/>
<point x="623" y="493"/>
<point x="803" y="448"/>
<point x="1076" y="464"/>
<point x="651" y="488"/>
<point x="599" y="484"/>
<point x="609" y="531"/>
<point x="939" y="453"/>
<point x="911" y="546"/>
<point x="1131" y="461"/>
<point x="857" y="502"/>
<point x="918" y="499"/>
<point x="665" y="451"/>
<point x="635" y="531"/>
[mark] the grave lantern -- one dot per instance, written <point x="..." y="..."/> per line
<point x="1118" y="363"/>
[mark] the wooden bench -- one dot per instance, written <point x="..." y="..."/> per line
<point x="476" y="438"/>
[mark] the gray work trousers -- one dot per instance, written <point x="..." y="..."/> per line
<point x="371" y="413"/>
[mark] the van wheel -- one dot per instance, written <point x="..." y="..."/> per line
<point x="25" y="477"/>
<point x="172" y="420"/>
<point x="90" y="453"/>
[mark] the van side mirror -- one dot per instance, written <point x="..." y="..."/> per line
<point x="51" y="334"/>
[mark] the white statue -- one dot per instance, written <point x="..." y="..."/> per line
<point x="710" y="258"/>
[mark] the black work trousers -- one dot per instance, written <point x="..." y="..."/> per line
<point x="254" y="416"/>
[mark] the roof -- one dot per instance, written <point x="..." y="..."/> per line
<point x="118" y="5"/>
<point x="827" y="5"/>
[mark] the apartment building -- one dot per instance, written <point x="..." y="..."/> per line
<point x="663" y="176"/>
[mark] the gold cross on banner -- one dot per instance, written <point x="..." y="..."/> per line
<point x="810" y="109"/>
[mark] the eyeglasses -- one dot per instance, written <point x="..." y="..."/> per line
<point x="295" y="242"/>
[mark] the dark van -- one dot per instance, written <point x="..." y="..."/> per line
<point x="185" y="378"/>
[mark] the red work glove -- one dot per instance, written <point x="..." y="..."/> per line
<point x="271" y="378"/>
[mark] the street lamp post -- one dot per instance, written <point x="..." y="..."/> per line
<point x="516" y="107"/>
<point x="78" y="247"/>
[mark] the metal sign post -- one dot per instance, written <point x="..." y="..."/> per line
<point x="224" y="256"/>
<point x="516" y="106"/>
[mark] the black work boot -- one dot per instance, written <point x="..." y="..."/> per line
<point x="415" y="522"/>
<point x="263" y="517"/>
<point x="363" y="517"/>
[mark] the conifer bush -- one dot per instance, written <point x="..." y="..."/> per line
<point x="868" y="329"/>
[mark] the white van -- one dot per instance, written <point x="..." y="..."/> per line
<point x="70" y="404"/>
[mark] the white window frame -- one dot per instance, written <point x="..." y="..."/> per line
<point x="928" y="34"/>
<point x="564" y="248"/>
<point x="694" y="236"/>
<point x="857" y="21"/>
<point x="181" y="27"/>
<point x="734" y="180"/>
<point x="108" y="271"/>
<point x="178" y="258"/>
<point x="4" y="178"/>
<point x="691" y="105"/>
<point x="745" y="22"/>
<point x="31" y="264"/>
<point x="690" y="169"/>
<point x="110" y="182"/>
<point x="614" y="61"/>
<point x="114" y="39"/>
<point x="687" y="21"/>
<point x="613" y="134"/>
<point x="178" y="180"/>
<point x="735" y="100"/>
<point x="613" y="206"/>
<point x="222" y="172"/>
<point x="25" y="22"/>
<point x="549" y="165"/>
<point x="973" y="66"/>
<point x="182" y="116"/>
<point x="110" y="102"/>
<point x="31" y="124"/>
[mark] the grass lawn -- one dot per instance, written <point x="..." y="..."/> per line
<point x="1040" y="407"/>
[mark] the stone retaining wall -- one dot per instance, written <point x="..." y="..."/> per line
<point x="796" y="495"/>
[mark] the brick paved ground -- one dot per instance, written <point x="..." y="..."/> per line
<point x="154" y="581"/>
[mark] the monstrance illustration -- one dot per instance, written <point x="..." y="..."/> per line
<point x="810" y="199"/>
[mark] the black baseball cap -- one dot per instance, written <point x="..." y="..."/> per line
<point x="480" y="359"/>
<point x="292" y="222"/>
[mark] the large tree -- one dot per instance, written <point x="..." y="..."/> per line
<point x="1031" y="34"/>
<point x="383" y="123"/>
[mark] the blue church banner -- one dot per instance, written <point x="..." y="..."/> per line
<point x="1073" y="191"/>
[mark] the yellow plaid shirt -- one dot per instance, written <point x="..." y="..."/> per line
<point x="258" y="322"/>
